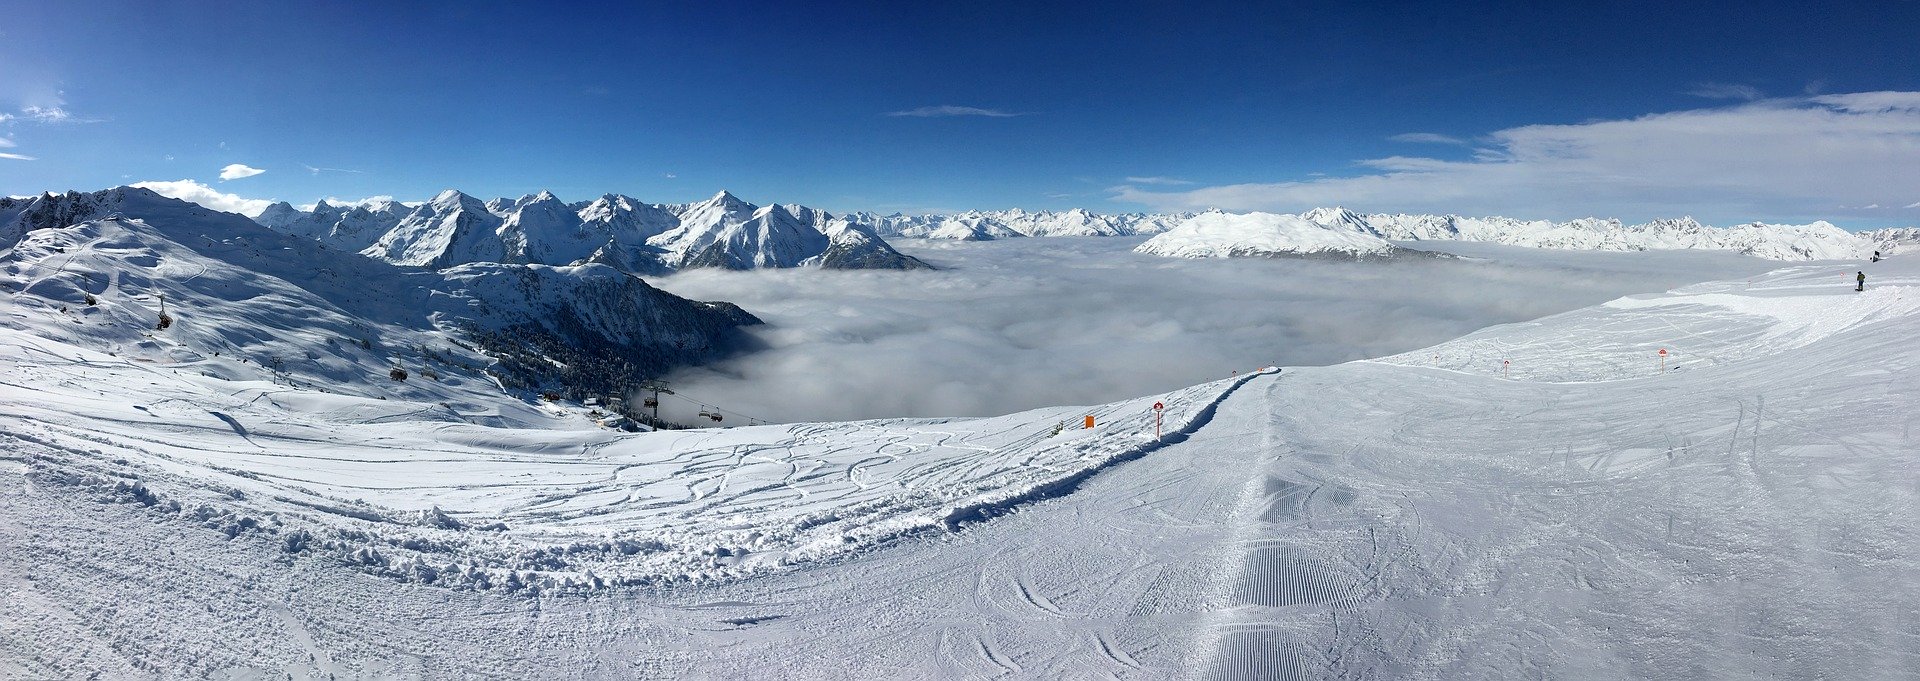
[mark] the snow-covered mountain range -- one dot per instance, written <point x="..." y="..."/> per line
<point x="723" y="231"/>
<point x="1004" y="224"/>
<point x="1338" y="231"/>
<point x="250" y="303"/>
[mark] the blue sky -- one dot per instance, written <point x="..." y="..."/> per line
<point x="1729" y="112"/>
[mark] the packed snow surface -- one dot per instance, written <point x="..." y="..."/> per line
<point x="1541" y="499"/>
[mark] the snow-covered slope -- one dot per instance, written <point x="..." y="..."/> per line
<point x="1745" y="510"/>
<point x="1215" y="234"/>
<point x="247" y="302"/>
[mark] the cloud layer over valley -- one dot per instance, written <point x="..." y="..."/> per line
<point x="1016" y="324"/>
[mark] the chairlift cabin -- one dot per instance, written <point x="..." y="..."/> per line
<point x="650" y="403"/>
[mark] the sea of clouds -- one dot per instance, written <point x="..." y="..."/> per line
<point x="1016" y="324"/>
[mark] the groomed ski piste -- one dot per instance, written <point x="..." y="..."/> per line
<point x="1544" y="499"/>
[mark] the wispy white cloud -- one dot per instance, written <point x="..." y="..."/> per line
<point x="7" y="143"/>
<point x="1159" y="180"/>
<point x="1725" y="91"/>
<point x="191" y="190"/>
<point x="315" y="170"/>
<point x="1427" y="138"/>
<point x="236" y="171"/>
<point x="670" y="176"/>
<point x="947" y="110"/>
<point x="1781" y="159"/>
<point x="47" y="114"/>
<point x="18" y="157"/>
<point x="1915" y="204"/>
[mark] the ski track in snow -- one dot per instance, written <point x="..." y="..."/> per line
<point x="1746" y="512"/>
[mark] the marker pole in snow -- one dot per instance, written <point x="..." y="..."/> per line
<point x="1663" y="360"/>
<point x="1503" y="367"/>
<point x="1157" y="408"/>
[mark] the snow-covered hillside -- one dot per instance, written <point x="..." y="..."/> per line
<point x="642" y="238"/>
<point x="249" y="303"/>
<point x="1215" y="234"/>
<point x="1538" y="499"/>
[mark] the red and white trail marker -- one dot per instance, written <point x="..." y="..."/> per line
<point x="1663" y="360"/>
<point x="1157" y="409"/>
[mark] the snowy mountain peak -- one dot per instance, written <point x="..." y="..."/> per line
<point x="1334" y="215"/>
<point x="727" y="198"/>
<point x="454" y="199"/>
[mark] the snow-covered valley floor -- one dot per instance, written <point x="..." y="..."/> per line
<point x="1748" y="511"/>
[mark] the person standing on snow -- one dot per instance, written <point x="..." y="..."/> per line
<point x="1861" y="281"/>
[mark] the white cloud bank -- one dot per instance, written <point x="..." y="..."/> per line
<point x="18" y="157"/>
<point x="1024" y="323"/>
<point x="190" y="190"/>
<point x="236" y="171"/>
<point x="1774" y="159"/>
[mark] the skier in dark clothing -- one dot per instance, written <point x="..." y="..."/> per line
<point x="1861" y="279"/>
<point x="1876" y="257"/>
